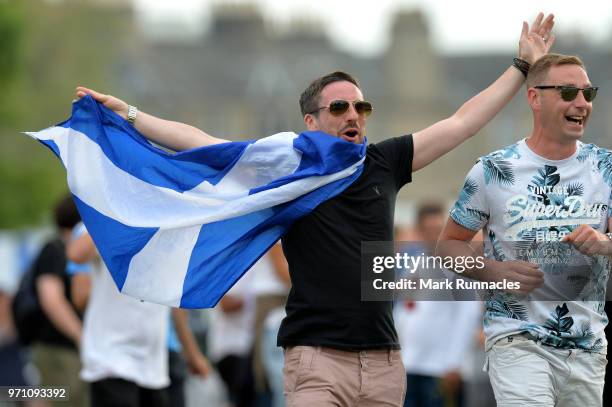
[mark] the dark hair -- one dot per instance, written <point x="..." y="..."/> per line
<point x="539" y="70"/>
<point x="428" y="209"/>
<point x="65" y="213"/>
<point x="309" y="99"/>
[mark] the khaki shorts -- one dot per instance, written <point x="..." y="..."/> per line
<point x="318" y="376"/>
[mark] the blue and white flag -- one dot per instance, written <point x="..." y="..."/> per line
<point x="180" y="229"/>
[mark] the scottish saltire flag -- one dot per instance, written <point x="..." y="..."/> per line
<point x="180" y="229"/>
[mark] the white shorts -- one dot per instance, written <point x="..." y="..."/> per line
<point x="526" y="373"/>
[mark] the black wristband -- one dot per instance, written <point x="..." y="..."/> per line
<point x="521" y="65"/>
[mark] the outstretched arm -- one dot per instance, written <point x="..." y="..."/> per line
<point x="174" y="135"/>
<point x="438" y="139"/>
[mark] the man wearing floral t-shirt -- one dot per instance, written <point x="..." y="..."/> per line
<point x="536" y="201"/>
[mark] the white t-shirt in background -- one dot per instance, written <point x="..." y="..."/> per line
<point x="123" y="337"/>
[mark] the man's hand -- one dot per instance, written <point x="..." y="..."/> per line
<point x="116" y="105"/>
<point x="538" y="40"/>
<point x="231" y="303"/>
<point x="589" y="241"/>
<point x="528" y="275"/>
<point x="198" y="365"/>
<point x="173" y="135"/>
<point x="451" y="383"/>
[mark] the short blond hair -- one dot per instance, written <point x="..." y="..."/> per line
<point x="539" y="70"/>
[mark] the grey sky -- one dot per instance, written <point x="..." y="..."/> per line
<point x="362" y="26"/>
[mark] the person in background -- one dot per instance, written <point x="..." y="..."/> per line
<point x="271" y="284"/>
<point x="12" y="360"/>
<point x="184" y="356"/>
<point x="435" y="335"/>
<point x="230" y="339"/>
<point x="54" y="346"/>
<point x="125" y="348"/>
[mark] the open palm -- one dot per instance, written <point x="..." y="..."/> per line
<point x="537" y="41"/>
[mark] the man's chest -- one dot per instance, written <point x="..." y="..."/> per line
<point x="550" y="200"/>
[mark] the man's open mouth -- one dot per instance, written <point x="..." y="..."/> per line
<point x="575" y="119"/>
<point x="351" y="133"/>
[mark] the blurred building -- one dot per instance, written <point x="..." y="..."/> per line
<point x="242" y="80"/>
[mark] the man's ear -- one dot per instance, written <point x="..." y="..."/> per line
<point x="311" y="122"/>
<point x="534" y="98"/>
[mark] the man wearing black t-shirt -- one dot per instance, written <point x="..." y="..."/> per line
<point x="338" y="349"/>
<point x="58" y="327"/>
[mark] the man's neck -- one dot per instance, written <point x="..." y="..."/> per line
<point x="549" y="147"/>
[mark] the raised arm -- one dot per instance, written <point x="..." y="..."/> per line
<point x="174" y="135"/>
<point x="440" y="138"/>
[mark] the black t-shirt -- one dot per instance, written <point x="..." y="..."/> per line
<point x="323" y="249"/>
<point x="52" y="261"/>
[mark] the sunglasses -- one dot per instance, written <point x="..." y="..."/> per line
<point x="569" y="93"/>
<point x="339" y="107"/>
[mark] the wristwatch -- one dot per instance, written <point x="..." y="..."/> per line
<point x="131" y="114"/>
<point x="521" y="65"/>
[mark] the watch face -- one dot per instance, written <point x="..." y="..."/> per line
<point x="131" y="115"/>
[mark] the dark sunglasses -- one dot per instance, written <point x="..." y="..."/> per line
<point x="569" y="93"/>
<point x="339" y="107"/>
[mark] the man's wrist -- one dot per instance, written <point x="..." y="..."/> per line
<point x="490" y="271"/>
<point x="131" y="114"/>
<point x="522" y="65"/>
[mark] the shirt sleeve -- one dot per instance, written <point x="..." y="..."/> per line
<point x="471" y="210"/>
<point x="51" y="260"/>
<point x="399" y="151"/>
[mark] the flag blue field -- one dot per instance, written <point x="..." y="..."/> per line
<point x="181" y="228"/>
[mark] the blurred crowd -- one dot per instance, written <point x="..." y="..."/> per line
<point x="63" y="323"/>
